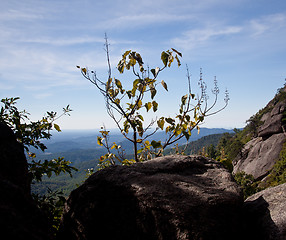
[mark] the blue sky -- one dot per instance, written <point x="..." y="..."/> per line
<point x="241" y="42"/>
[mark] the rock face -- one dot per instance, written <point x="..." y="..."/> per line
<point x="272" y="120"/>
<point x="259" y="156"/>
<point x="19" y="216"/>
<point x="261" y="153"/>
<point x="265" y="214"/>
<point x="172" y="197"/>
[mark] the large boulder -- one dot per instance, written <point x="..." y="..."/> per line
<point x="265" y="214"/>
<point x="272" y="120"/>
<point x="19" y="216"/>
<point x="259" y="156"/>
<point x="172" y="197"/>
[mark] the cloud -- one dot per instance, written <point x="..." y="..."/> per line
<point x="243" y="34"/>
<point x="266" y="24"/>
<point x="141" y="20"/>
<point x="198" y="37"/>
<point x="19" y="15"/>
<point x="64" y="41"/>
<point x="41" y="96"/>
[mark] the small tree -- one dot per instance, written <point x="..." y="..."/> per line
<point x="127" y="106"/>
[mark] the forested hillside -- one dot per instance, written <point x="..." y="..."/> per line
<point x="85" y="159"/>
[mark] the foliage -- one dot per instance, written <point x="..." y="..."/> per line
<point x="278" y="173"/>
<point x="125" y="105"/>
<point x="30" y="134"/>
<point x="248" y="184"/>
<point x="232" y="146"/>
<point x="52" y="205"/>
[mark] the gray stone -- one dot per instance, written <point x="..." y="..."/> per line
<point x="171" y="197"/>
<point x="265" y="214"/>
<point x="272" y="121"/>
<point x="258" y="156"/>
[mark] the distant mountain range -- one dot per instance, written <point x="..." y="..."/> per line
<point x="77" y="140"/>
<point x="80" y="148"/>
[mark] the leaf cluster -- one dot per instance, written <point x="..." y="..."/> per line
<point x="52" y="205"/>
<point x="30" y="133"/>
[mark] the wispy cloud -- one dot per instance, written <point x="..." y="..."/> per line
<point x="63" y="41"/>
<point x="217" y="33"/>
<point x="266" y="24"/>
<point x="42" y="95"/>
<point x="198" y="37"/>
<point x="19" y="15"/>
<point x="141" y="20"/>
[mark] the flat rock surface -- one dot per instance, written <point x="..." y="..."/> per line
<point x="172" y="197"/>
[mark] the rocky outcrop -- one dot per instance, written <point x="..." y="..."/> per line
<point x="272" y="120"/>
<point x="265" y="214"/>
<point x="172" y="197"/>
<point x="261" y="153"/>
<point x="258" y="155"/>
<point x="19" y="216"/>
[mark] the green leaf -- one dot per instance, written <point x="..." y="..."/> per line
<point x="108" y="84"/>
<point x="140" y="128"/>
<point x="155" y="106"/>
<point x="139" y="104"/>
<point x="139" y="59"/>
<point x="178" y="131"/>
<point x="153" y="92"/>
<point x="57" y="127"/>
<point x="99" y="141"/>
<point x="156" y="144"/>
<point x="121" y="66"/>
<point x="184" y="99"/>
<point x="170" y="60"/>
<point x="188" y="118"/>
<point x="125" y="54"/>
<point x="148" y="106"/>
<point x="135" y="82"/>
<point x="164" y="85"/>
<point x="118" y="84"/>
<point x="165" y="57"/>
<point x="155" y="71"/>
<point x="187" y="135"/>
<point x="161" y="123"/>
<point x="84" y="70"/>
<point x="126" y="127"/>
<point x="129" y="93"/>
<point x="180" y="54"/>
<point x="140" y="117"/>
<point x="170" y="121"/>
<point x="178" y="61"/>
